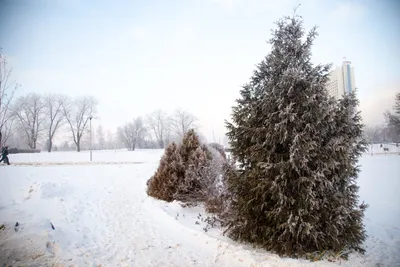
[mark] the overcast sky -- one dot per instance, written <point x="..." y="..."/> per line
<point x="139" y="56"/>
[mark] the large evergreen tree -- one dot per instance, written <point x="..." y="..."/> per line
<point x="294" y="191"/>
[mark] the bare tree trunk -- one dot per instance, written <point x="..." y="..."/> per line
<point x="55" y="116"/>
<point x="33" y="141"/>
<point x="78" y="143"/>
<point x="50" y="146"/>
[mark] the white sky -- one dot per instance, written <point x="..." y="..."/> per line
<point x="139" y="56"/>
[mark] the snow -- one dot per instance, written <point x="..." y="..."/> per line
<point x="392" y="148"/>
<point x="379" y="187"/>
<point x="103" y="217"/>
<point x="102" y="156"/>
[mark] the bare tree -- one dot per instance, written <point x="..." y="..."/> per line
<point x="139" y="130"/>
<point x="393" y="119"/>
<point x="7" y="90"/>
<point x="65" y="146"/>
<point x="160" y="125"/>
<point x="101" y="140"/>
<point x="55" y="116"/>
<point x="384" y="133"/>
<point x="132" y="132"/>
<point x="181" y="122"/>
<point x="125" y="134"/>
<point x="110" y="140"/>
<point x="30" y="113"/>
<point x="78" y="113"/>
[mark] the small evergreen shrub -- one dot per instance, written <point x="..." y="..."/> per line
<point x="190" y="172"/>
<point x="191" y="187"/>
<point x="163" y="183"/>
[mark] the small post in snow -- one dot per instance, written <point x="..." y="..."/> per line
<point x="91" y="143"/>
<point x="372" y="147"/>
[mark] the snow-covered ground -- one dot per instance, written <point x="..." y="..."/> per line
<point x="98" y="156"/>
<point x="384" y="148"/>
<point x="379" y="183"/>
<point x="103" y="217"/>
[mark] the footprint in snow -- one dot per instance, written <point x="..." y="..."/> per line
<point x="18" y="227"/>
<point x="53" y="248"/>
<point x="30" y="192"/>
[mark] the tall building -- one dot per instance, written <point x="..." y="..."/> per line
<point x="341" y="80"/>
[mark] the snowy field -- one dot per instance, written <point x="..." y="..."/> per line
<point x="391" y="148"/>
<point x="102" y="216"/>
<point x="102" y="156"/>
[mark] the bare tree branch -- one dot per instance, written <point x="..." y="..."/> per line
<point x="8" y="129"/>
<point x="7" y="91"/>
<point x="181" y="122"/>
